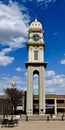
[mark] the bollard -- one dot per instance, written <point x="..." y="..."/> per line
<point x="51" y="115"/>
<point x="47" y="118"/>
<point x="26" y="118"/>
<point x="62" y="118"/>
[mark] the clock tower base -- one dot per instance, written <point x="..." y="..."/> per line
<point x="39" y="69"/>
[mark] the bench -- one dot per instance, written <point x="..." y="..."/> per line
<point x="9" y="123"/>
<point x="15" y="121"/>
<point x="4" y="122"/>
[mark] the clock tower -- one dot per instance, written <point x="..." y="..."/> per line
<point x="35" y="65"/>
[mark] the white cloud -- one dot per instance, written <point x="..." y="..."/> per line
<point x="6" y="51"/>
<point x="18" y="69"/>
<point x="25" y="74"/>
<point x="13" y="29"/>
<point x="46" y="2"/>
<point x="50" y="73"/>
<point x="55" y="84"/>
<point x="63" y="61"/>
<point x="4" y="59"/>
<point x="13" y="25"/>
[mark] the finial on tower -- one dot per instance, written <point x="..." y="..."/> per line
<point x="14" y="83"/>
<point x="36" y="19"/>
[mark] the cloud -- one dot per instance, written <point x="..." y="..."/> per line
<point x="25" y="74"/>
<point x="50" y="73"/>
<point x="19" y="69"/>
<point x="63" y="62"/>
<point x="55" y="33"/>
<point x="13" y="30"/>
<point x="4" y="59"/>
<point x="46" y="2"/>
<point x="24" y="1"/>
<point x="13" y="25"/>
<point x="55" y="84"/>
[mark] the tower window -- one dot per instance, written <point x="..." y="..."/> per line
<point x="35" y="55"/>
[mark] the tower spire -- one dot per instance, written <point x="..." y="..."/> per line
<point x="36" y="19"/>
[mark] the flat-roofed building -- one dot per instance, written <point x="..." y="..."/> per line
<point x="4" y="105"/>
<point x="54" y="104"/>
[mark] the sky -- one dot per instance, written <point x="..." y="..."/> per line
<point x="15" y="19"/>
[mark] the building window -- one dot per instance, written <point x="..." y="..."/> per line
<point x="35" y="55"/>
<point x="60" y="101"/>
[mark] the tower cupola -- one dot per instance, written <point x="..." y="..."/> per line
<point x="13" y="84"/>
<point x="35" y="26"/>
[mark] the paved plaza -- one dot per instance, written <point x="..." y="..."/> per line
<point x="37" y="125"/>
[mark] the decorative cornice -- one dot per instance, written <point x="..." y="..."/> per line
<point x="35" y="44"/>
<point x="36" y="64"/>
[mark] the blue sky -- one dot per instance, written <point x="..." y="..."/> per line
<point x="15" y="18"/>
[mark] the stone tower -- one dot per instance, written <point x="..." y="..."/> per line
<point x="35" y="65"/>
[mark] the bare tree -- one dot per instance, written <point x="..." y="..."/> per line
<point x="14" y="97"/>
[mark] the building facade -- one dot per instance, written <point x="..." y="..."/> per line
<point x="54" y="104"/>
<point x="4" y="105"/>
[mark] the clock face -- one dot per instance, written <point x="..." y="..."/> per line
<point x="36" y="37"/>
